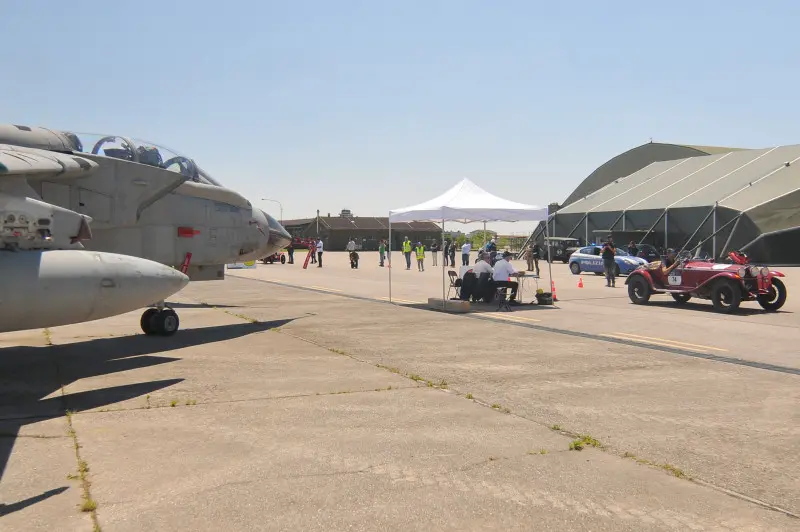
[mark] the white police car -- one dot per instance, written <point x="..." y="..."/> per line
<point x="590" y="260"/>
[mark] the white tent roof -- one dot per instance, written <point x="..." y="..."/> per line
<point x="467" y="202"/>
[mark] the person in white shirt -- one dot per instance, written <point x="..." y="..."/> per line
<point x="465" y="249"/>
<point x="351" y="250"/>
<point x="482" y="266"/>
<point x="503" y="271"/>
<point x="319" y="253"/>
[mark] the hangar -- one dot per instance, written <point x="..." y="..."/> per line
<point x="722" y="200"/>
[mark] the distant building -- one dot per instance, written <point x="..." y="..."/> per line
<point x="367" y="231"/>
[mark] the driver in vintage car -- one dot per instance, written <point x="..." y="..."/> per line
<point x="669" y="263"/>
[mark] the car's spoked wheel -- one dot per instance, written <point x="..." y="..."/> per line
<point x="775" y="298"/>
<point x="638" y="291"/>
<point x="681" y="298"/>
<point x="726" y="296"/>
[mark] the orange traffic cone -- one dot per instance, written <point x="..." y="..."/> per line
<point x="580" y="282"/>
<point x="553" y="289"/>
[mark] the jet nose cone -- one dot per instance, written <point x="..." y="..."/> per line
<point x="158" y="280"/>
<point x="279" y="236"/>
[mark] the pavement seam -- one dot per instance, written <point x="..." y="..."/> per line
<point x="577" y="437"/>
<point x="248" y="400"/>
<point x="89" y="504"/>
<point x="589" y="336"/>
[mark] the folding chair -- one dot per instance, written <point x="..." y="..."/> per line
<point x="502" y="300"/>
<point x="453" y="278"/>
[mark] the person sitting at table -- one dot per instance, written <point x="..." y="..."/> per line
<point x="486" y="286"/>
<point x="503" y="271"/>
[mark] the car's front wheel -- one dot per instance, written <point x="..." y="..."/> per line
<point x="575" y="268"/>
<point x="639" y="290"/>
<point x="775" y="298"/>
<point x="726" y="296"/>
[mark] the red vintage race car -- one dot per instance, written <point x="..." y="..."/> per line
<point x="726" y="284"/>
<point x="275" y="257"/>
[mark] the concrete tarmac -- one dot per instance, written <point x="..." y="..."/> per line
<point x="299" y="400"/>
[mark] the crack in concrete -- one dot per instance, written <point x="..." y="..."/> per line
<point x="89" y="504"/>
<point x="570" y="434"/>
<point x="247" y="400"/>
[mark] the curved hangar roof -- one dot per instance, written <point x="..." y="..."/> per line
<point x="634" y="160"/>
<point x="739" y="180"/>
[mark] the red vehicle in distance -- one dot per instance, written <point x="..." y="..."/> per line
<point x="726" y="284"/>
<point x="303" y="243"/>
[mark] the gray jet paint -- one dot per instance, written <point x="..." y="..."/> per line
<point x="143" y="210"/>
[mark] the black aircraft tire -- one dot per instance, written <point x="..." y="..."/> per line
<point x="147" y="322"/>
<point x="166" y="322"/>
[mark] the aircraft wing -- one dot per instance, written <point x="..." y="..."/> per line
<point x="33" y="163"/>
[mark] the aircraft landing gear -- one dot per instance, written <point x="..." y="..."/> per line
<point x="160" y="321"/>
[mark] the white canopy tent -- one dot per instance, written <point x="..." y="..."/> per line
<point x="466" y="202"/>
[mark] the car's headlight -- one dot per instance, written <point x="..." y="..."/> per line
<point x="764" y="271"/>
<point x="753" y="271"/>
<point x="742" y="272"/>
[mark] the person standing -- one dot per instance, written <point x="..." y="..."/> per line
<point x="465" y="249"/>
<point x="320" y="249"/>
<point x="446" y="252"/>
<point x="420" y="251"/>
<point x="290" y="251"/>
<point x="312" y="246"/>
<point x="351" y="249"/>
<point x="453" y="254"/>
<point x="536" y="253"/>
<point x="633" y="251"/>
<point x="382" y="251"/>
<point x="529" y="257"/>
<point x="491" y="247"/>
<point x="434" y="251"/>
<point x="407" y="252"/>
<point x="609" y="264"/>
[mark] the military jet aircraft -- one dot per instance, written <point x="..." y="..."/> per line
<point x="141" y="204"/>
<point x="48" y="278"/>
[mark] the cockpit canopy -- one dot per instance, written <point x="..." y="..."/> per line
<point x="143" y="152"/>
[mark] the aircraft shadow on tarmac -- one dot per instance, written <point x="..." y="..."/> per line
<point x="30" y="374"/>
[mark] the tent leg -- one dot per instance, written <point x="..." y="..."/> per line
<point x="714" y="232"/>
<point x="389" y="257"/>
<point x="444" y="303"/>
<point x="549" y="263"/>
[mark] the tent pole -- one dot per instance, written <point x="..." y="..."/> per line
<point x="484" y="234"/>
<point x="444" y="303"/>
<point x="549" y="261"/>
<point x="389" y="257"/>
<point x="714" y="232"/>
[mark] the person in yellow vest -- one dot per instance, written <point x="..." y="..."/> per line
<point x="407" y="252"/>
<point x="420" y="249"/>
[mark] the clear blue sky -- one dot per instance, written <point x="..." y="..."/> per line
<point x="372" y="105"/>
